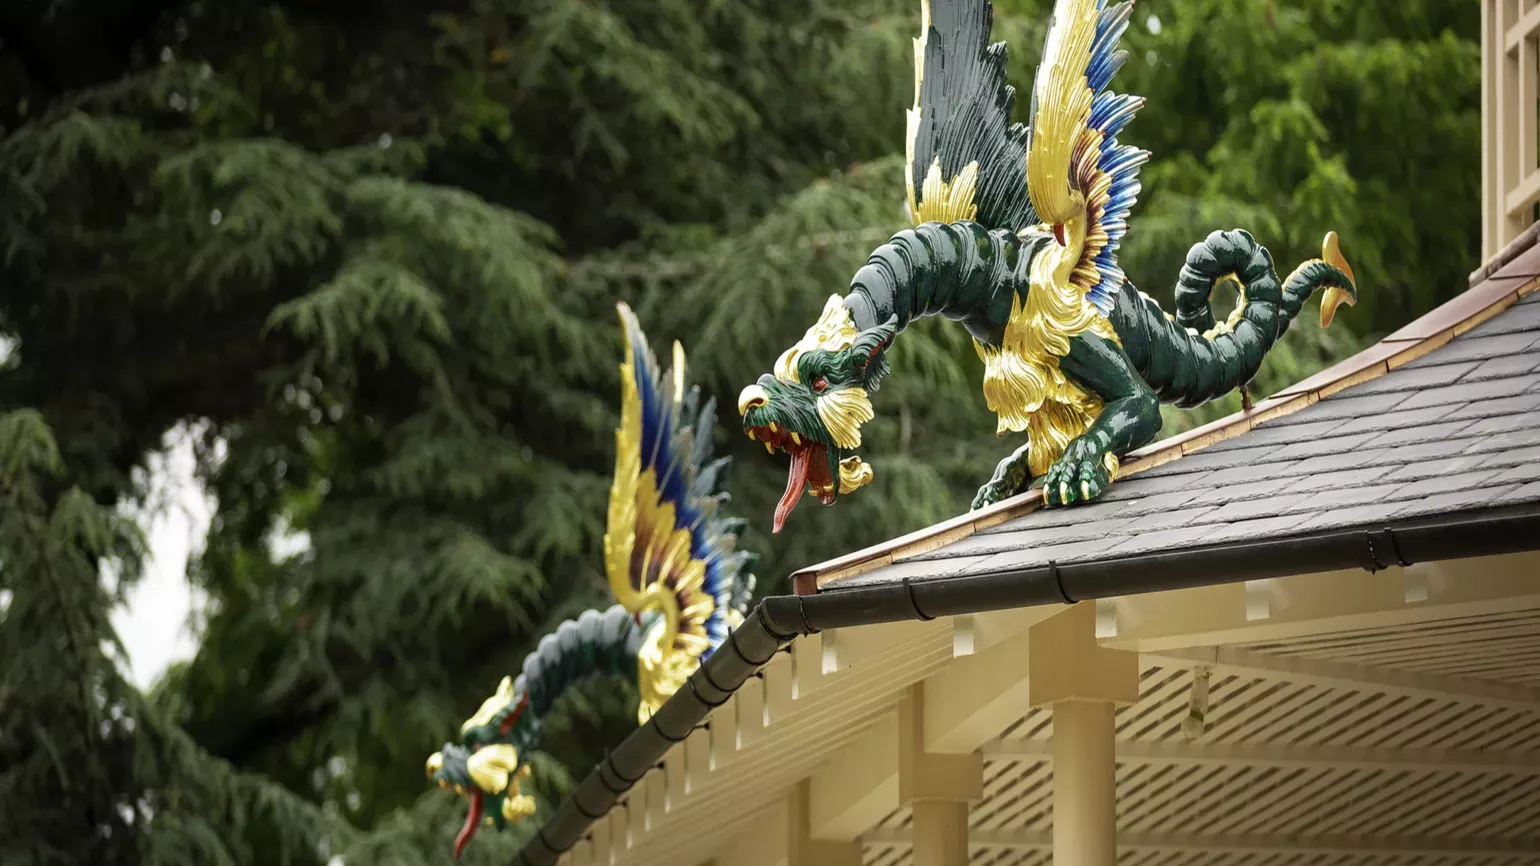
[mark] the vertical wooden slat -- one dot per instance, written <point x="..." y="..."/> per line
<point x="1508" y="102"/>
<point x="1528" y="152"/>
<point x="1491" y="193"/>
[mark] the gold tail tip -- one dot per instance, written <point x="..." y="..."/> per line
<point x="1330" y="301"/>
<point x="1331" y="253"/>
<point x="1336" y="296"/>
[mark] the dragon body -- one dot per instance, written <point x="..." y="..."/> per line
<point x="671" y="563"/>
<point x="1016" y="237"/>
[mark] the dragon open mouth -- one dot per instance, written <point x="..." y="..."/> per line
<point x="810" y="470"/>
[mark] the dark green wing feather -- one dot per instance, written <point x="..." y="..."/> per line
<point x="966" y="159"/>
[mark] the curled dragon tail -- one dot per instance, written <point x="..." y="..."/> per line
<point x="1190" y="358"/>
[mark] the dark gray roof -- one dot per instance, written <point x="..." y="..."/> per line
<point x="1454" y="431"/>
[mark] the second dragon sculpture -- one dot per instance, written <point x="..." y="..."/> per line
<point x="670" y="559"/>
<point x="1016" y="237"/>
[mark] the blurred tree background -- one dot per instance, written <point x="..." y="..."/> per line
<point x="368" y="253"/>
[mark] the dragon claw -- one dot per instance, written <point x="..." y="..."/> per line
<point x="1079" y="476"/>
<point x="988" y="495"/>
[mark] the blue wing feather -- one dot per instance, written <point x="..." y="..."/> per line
<point x="1110" y="113"/>
<point x="677" y="446"/>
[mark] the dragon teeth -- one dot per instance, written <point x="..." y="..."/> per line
<point x="769" y="449"/>
<point x="796" y="440"/>
<point x="773" y="428"/>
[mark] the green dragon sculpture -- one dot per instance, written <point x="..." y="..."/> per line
<point x="671" y="562"/>
<point x="1016" y="236"/>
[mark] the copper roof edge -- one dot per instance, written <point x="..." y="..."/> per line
<point x="1498" y="284"/>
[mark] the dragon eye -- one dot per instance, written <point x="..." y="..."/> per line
<point x="819" y="384"/>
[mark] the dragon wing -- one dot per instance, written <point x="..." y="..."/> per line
<point x="966" y="159"/>
<point x="1081" y="181"/>
<point x="668" y="551"/>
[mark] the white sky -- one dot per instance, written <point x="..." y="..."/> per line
<point x="154" y="624"/>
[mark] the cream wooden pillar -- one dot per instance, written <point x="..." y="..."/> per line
<point x="938" y="787"/>
<point x="1083" y="683"/>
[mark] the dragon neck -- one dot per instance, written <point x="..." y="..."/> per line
<point x="959" y="270"/>
<point x="595" y="644"/>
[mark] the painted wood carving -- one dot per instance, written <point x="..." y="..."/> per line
<point x="1016" y="238"/>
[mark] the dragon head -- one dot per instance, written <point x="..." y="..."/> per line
<point x="813" y="405"/>
<point x="488" y="763"/>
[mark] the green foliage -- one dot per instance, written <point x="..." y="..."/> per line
<point x="369" y="254"/>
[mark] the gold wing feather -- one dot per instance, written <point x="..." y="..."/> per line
<point x="665" y="550"/>
<point x="1081" y="181"/>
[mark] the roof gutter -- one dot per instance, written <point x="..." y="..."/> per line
<point x="779" y="619"/>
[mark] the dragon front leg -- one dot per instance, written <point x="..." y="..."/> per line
<point x="1130" y="418"/>
<point x="1010" y="478"/>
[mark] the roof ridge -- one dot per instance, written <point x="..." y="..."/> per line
<point x="1510" y="275"/>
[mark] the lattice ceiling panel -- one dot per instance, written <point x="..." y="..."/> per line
<point x="1300" y="769"/>
<point x="1501" y="648"/>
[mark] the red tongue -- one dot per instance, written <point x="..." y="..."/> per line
<point x="796" y="483"/>
<point x="472" y="821"/>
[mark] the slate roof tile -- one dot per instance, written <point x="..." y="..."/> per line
<point x="1356" y="515"/>
<point x="1467" y="392"/>
<point x="1211" y="460"/>
<point x="1046" y="517"/>
<point x="1419" y="434"/>
<point x="1421" y="469"/>
<point x="1169" y="519"/>
<point x="1260" y="472"/>
<point x="1455" y="500"/>
<point x="1514" y="457"/>
<point x="1344" y="406"/>
<point x="1522" y="473"/>
<point x="1330" y="445"/>
<point x="1393" y="420"/>
<point x="1421" y="451"/>
<point x="1268" y="434"/>
<point x="1168" y="501"/>
<point x="1034" y="556"/>
<point x="990" y="543"/>
<point x="1500" y="368"/>
<point x="1504" y="406"/>
<point x="1412" y="379"/>
<point x="1343" y="497"/>
<point x="1144" y="484"/>
<point x="1184" y="536"/>
<point x="1504" y="423"/>
<point x="1241" y="492"/>
<point x="1526" y="493"/>
<point x="1251" y="509"/>
<point x="1477" y="348"/>
<point x="1264" y="527"/>
<point x="1445" y="483"/>
<point x="1502" y="441"/>
<point x="1317" y="481"/>
<point x="1346" y="460"/>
